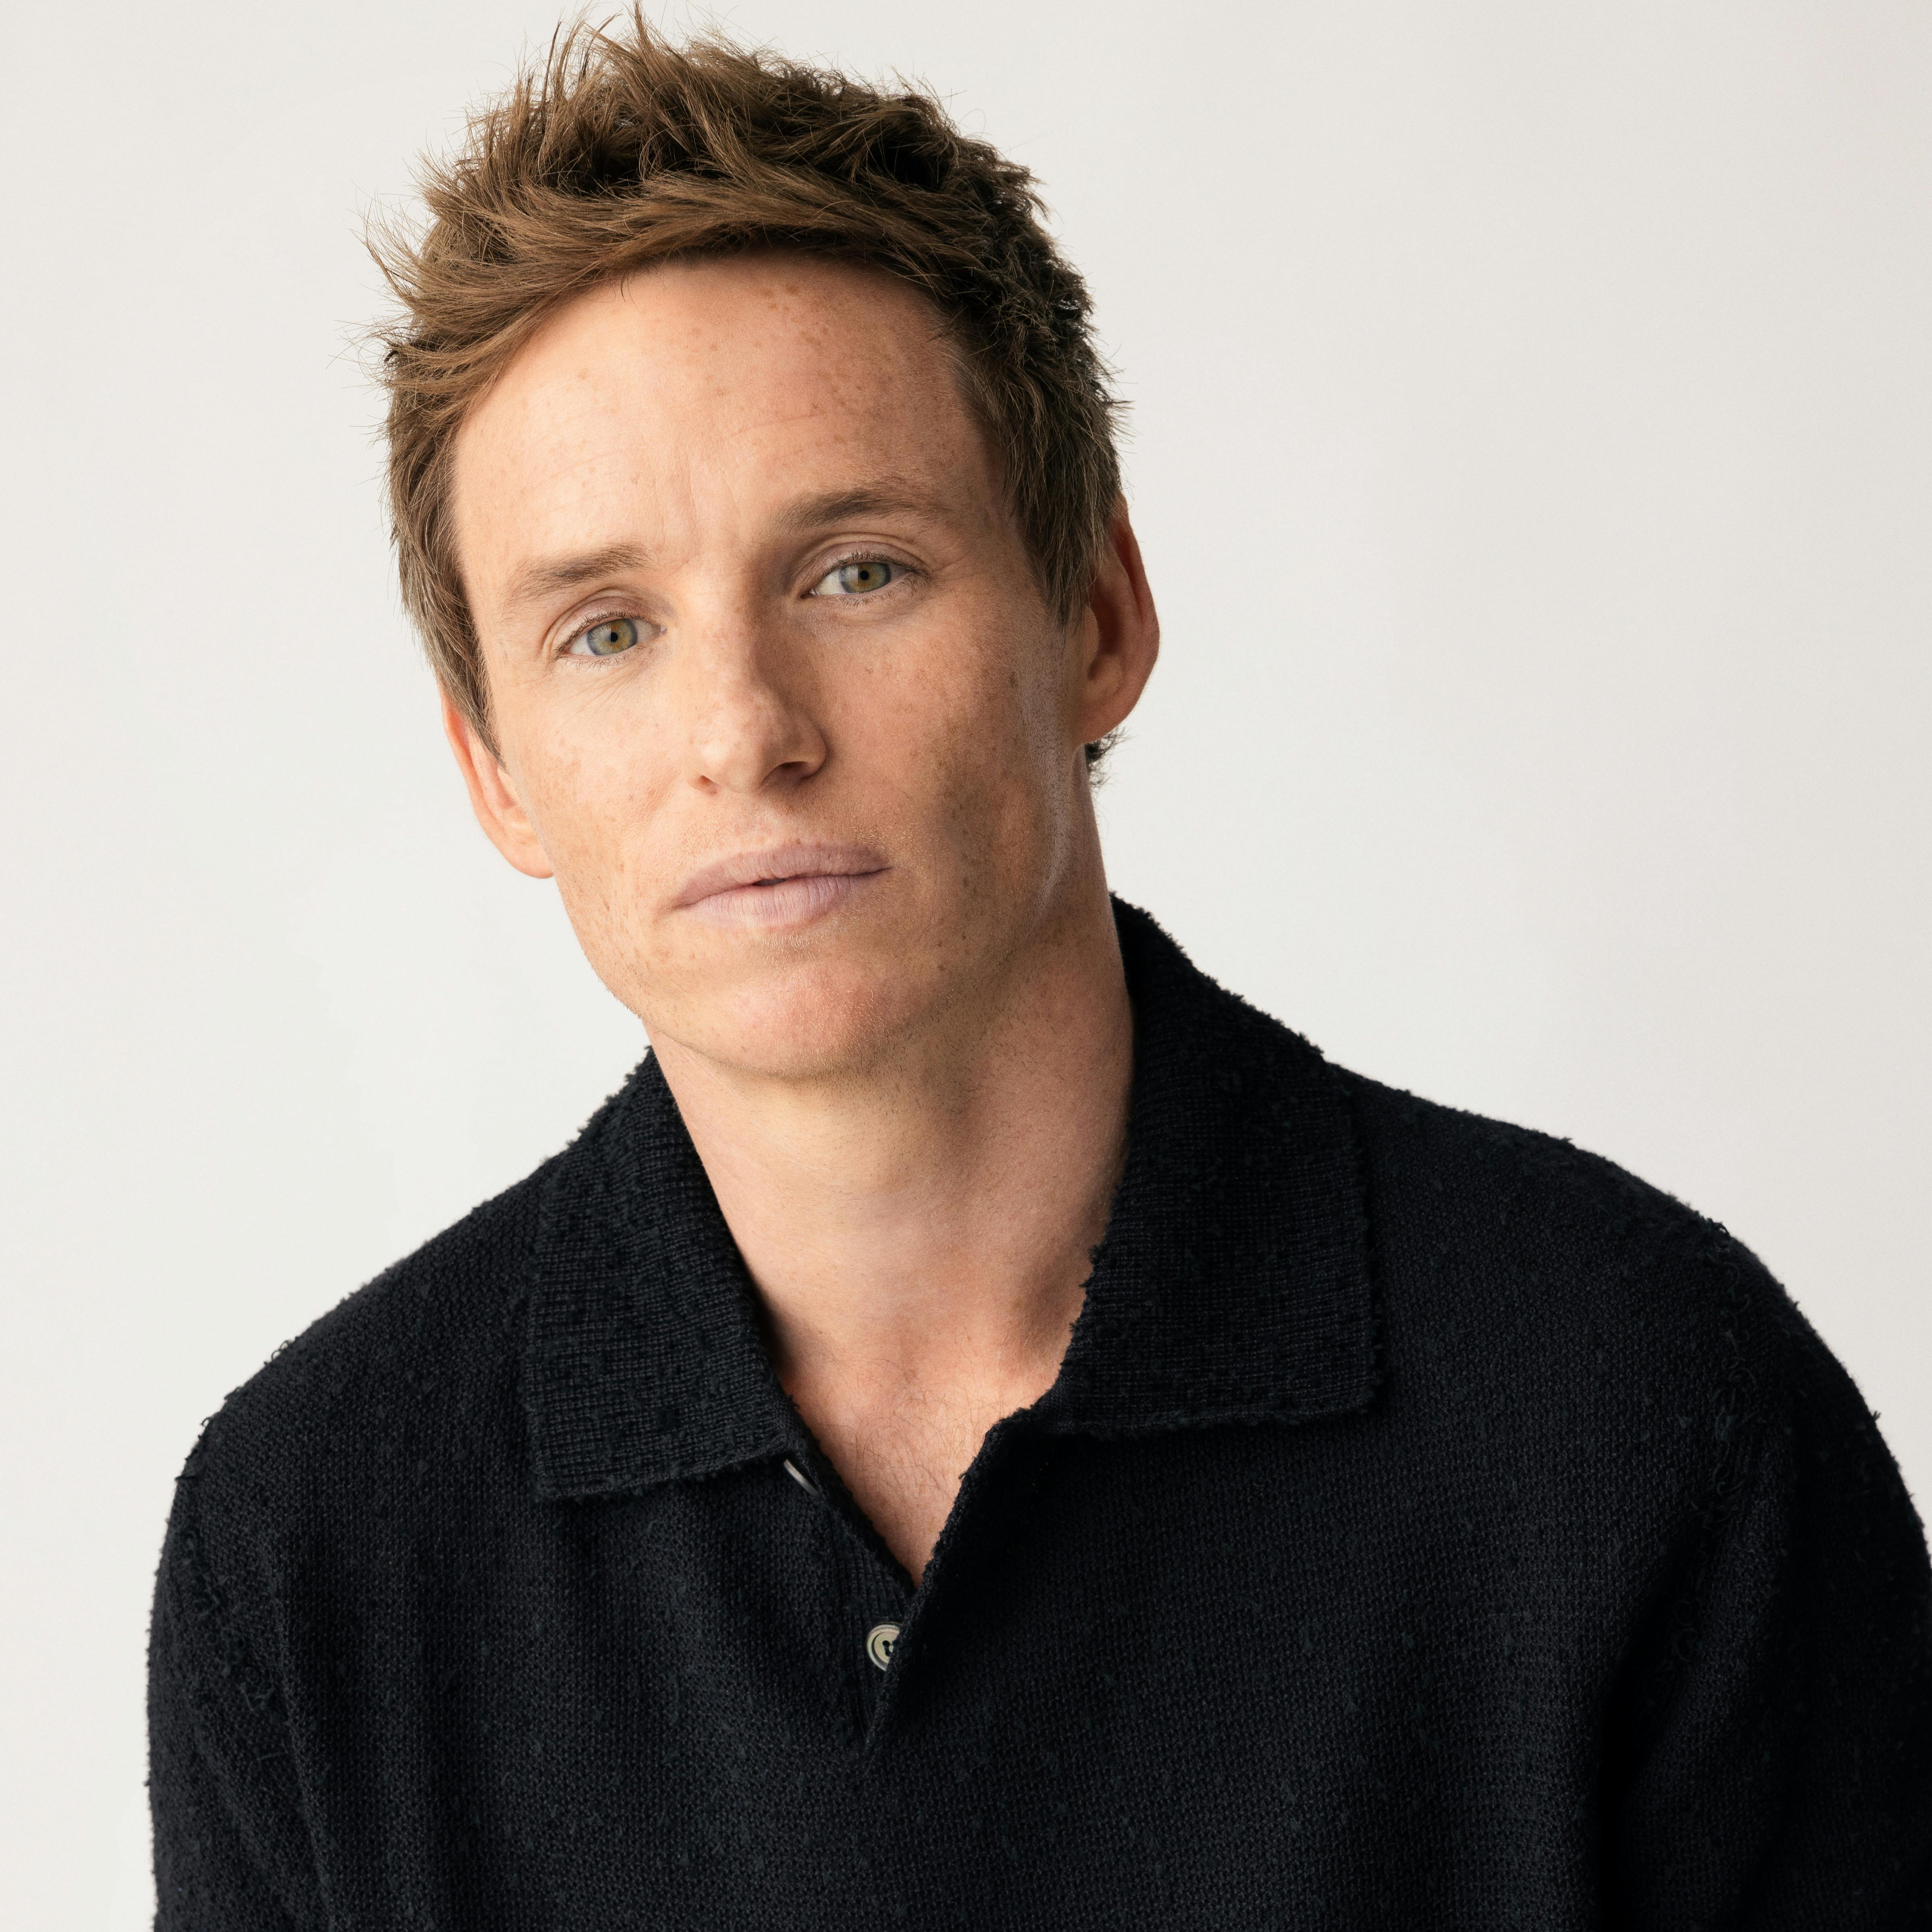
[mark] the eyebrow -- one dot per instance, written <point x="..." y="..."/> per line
<point x="890" y="496"/>
<point x="546" y="578"/>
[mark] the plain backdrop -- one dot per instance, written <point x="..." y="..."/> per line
<point x="1530" y="446"/>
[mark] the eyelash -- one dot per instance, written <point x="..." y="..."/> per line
<point x="617" y="613"/>
<point x="900" y="566"/>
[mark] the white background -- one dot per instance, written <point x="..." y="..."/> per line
<point x="1531" y="450"/>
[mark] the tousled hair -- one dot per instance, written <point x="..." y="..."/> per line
<point x="621" y="150"/>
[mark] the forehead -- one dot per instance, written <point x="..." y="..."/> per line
<point x="692" y="383"/>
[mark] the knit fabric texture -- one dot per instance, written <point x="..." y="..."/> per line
<point x="1431" y="1526"/>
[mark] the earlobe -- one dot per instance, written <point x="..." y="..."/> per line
<point x="492" y="796"/>
<point x="1123" y="632"/>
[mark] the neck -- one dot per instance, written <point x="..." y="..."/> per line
<point x="919" y="1233"/>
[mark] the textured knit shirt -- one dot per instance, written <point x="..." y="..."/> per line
<point x="1430" y="1526"/>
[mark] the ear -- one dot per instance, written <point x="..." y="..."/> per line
<point x="1119" y="632"/>
<point x="492" y="796"/>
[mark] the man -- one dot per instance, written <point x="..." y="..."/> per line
<point x="985" y="1428"/>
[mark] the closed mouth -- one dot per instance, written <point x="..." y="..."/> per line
<point x="783" y="886"/>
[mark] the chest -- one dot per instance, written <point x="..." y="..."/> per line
<point x="902" y="1450"/>
<point x="1147" y="1684"/>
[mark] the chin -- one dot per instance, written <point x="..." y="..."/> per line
<point x="796" y="1019"/>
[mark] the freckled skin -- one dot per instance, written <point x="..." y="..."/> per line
<point x="928" y="715"/>
<point x="911" y="1107"/>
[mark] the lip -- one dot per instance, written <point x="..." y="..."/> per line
<point x="780" y="886"/>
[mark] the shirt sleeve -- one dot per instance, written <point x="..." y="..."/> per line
<point x="231" y="1843"/>
<point x="1784" y="1778"/>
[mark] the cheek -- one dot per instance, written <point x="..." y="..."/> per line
<point x="983" y="696"/>
<point x="597" y="820"/>
<point x="968" y="736"/>
<point x="592" y="795"/>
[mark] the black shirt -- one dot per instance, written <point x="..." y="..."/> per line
<point x="1431" y="1525"/>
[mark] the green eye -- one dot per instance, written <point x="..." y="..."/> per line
<point x="854" y="579"/>
<point x="607" y="637"/>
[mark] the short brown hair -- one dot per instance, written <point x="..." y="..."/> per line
<point x="621" y="151"/>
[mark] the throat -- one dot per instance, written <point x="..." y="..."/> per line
<point x="901" y="1447"/>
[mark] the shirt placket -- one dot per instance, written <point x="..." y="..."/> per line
<point x="882" y="1625"/>
<point x="870" y="1595"/>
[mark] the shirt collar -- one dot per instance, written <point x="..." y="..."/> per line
<point x="1232" y="1286"/>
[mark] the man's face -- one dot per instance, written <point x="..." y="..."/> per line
<point x="775" y="692"/>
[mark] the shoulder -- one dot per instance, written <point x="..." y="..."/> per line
<point x="1427" y="1159"/>
<point x="405" y="1368"/>
<point x="1517" y="1257"/>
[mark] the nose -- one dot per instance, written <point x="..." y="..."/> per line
<point x="751" y="729"/>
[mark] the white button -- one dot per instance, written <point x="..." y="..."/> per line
<point x="799" y="1477"/>
<point x="879" y="1642"/>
